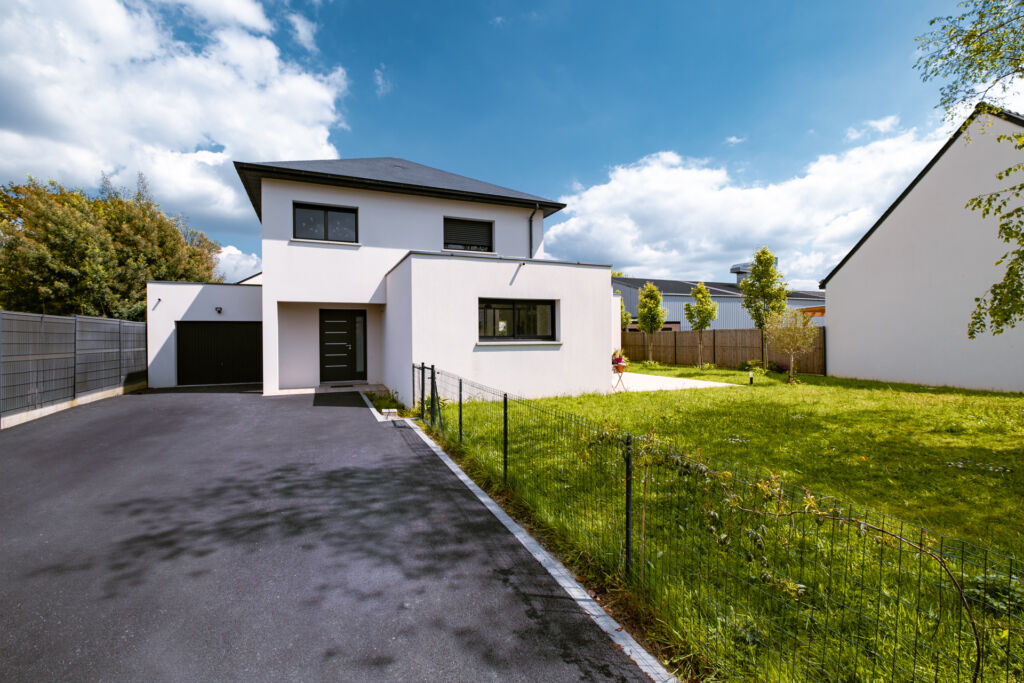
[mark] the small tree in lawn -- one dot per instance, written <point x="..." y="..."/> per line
<point x="700" y="314"/>
<point x="650" y="316"/>
<point x="791" y="332"/>
<point x="624" y="317"/>
<point x="764" y="293"/>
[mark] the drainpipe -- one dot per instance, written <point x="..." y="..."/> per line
<point x="529" y="222"/>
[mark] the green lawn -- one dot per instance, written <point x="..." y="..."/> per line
<point x="762" y="581"/>
<point x="948" y="459"/>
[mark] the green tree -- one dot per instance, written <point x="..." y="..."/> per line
<point x="63" y="252"/>
<point x="764" y="293"/>
<point x="53" y="257"/>
<point x="790" y="331"/>
<point x="700" y="314"/>
<point x="624" y="317"/>
<point x="979" y="53"/>
<point x="650" y="316"/>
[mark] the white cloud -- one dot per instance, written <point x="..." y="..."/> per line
<point x="246" y="13"/>
<point x="304" y="31"/>
<point x="104" y="86"/>
<point x="670" y="216"/>
<point x="380" y="81"/>
<point x="886" y="124"/>
<point x="853" y="134"/>
<point x="235" y="265"/>
<point x="733" y="140"/>
<point x="497" y="21"/>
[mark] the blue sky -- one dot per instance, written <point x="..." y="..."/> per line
<point x="683" y="136"/>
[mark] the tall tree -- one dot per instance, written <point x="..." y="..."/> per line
<point x="764" y="293"/>
<point x="64" y="252"/>
<point x="700" y="314"/>
<point x="979" y="53"/>
<point x="53" y="257"/>
<point x="650" y="316"/>
<point x="790" y="331"/>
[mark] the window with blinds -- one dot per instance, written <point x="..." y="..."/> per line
<point x="468" y="235"/>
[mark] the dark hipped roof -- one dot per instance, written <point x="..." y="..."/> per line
<point x="982" y="108"/>
<point x="386" y="174"/>
<point x="717" y="289"/>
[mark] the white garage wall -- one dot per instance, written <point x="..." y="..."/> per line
<point x="168" y="302"/>
<point x="898" y="309"/>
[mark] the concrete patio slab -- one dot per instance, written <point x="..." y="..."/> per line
<point x="636" y="381"/>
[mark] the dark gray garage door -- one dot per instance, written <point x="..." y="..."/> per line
<point x="219" y="352"/>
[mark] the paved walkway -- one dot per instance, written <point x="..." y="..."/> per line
<point x="636" y="381"/>
<point x="227" y="536"/>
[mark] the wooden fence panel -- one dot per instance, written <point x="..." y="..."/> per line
<point x="724" y="348"/>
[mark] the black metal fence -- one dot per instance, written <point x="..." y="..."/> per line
<point x="764" y="581"/>
<point x="47" y="359"/>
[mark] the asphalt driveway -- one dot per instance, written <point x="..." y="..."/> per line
<point x="201" y="536"/>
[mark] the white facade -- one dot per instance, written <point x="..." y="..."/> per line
<point x="170" y="302"/>
<point x="421" y="301"/>
<point x="899" y="306"/>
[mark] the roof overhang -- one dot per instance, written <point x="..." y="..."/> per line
<point x="252" y="175"/>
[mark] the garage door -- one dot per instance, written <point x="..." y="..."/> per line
<point x="219" y="352"/>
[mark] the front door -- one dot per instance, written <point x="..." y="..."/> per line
<point x="342" y="346"/>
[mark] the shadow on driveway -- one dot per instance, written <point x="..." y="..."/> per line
<point x="269" y="542"/>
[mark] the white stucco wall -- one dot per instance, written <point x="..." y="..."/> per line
<point x="298" y="271"/>
<point x="168" y="302"/>
<point x="445" y="293"/>
<point x="898" y="309"/>
<point x="299" y="343"/>
<point x="398" y="331"/>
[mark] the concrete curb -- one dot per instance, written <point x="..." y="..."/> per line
<point x="643" y="659"/>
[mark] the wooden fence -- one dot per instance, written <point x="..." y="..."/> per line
<point x="724" y="348"/>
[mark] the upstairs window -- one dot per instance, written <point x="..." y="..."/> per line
<point x="467" y="235"/>
<point x="502" y="319"/>
<point x="328" y="223"/>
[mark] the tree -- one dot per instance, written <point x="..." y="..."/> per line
<point x="790" y="331"/>
<point x="650" y="316"/>
<point x="764" y="293"/>
<point x="624" y="317"/>
<point x="63" y="252"/>
<point x="979" y="53"/>
<point x="700" y="314"/>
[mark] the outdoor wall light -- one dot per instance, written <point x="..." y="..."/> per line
<point x="218" y="309"/>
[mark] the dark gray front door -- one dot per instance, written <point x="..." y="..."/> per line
<point x="342" y="346"/>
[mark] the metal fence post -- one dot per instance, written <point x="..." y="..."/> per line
<point x="413" y="382"/>
<point x="460" y="410"/>
<point x="504" y="457"/>
<point x="74" y="366"/>
<point x="433" y="397"/>
<point x="423" y="388"/>
<point x="629" y="505"/>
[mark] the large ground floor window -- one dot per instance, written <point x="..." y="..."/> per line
<point x="526" y="319"/>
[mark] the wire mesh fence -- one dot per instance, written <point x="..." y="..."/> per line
<point x="47" y="359"/>
<point x="765" y="581"/>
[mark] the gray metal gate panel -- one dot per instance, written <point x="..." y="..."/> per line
<point x="38" y="361"/>
<point x="97" y="354"/>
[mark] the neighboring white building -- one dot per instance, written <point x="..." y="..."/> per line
<point x="899" y="303"/>
<point x="371" y="265"/>
<point x="675" y="294"/>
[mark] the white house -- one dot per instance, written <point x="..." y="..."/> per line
<point x="371" y="265"/>
<point x="899" y="303"/>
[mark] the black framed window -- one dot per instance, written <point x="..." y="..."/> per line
<point x="460" y="233"/>
<point x="530" y="319"/>
<point x="328" y="223"/>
